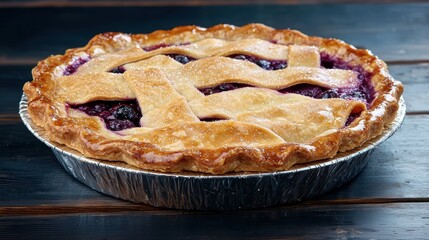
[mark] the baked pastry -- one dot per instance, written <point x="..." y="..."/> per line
<point x="213" y="100"/>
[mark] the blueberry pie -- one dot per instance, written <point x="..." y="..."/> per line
<point x="216" y="100"/>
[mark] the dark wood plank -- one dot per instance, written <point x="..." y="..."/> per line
<point x="395" y="221"/>
<point x="414" y="73"/>
<point x="31" y="176"/>
<point x="401" y="34"/>
<point x="396" y="167"/>
<point x="415" y="78"/>
<point x="12" y="79"/>
<point x="416" y="97"/>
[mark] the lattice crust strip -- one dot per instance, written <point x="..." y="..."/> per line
<point x="303" y="67"/>
<point x="299" y="58"/>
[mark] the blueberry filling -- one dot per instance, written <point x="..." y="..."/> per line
<point x="265" y="64"/>
<point x="154" y="47"/>
<point x="117" y="115"/>
<point x="351" y="118"/>
<point x="212" y="119"/>
<point x="302" y="89"/>
<point x="183" y="59"/>
<point x="306" y="90"/>
<point x="72" y="68"/>
<point x="363" y="92"/>
<point x="325" y="93"/>
<point x="119" y="70"/>
<point x="162" y="45"/>
<point x="222" y="88"/>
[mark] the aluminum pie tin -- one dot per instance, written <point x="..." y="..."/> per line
<point x="198" y="191"/>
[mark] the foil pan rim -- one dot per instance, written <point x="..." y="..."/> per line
<point x="371" y="144"/>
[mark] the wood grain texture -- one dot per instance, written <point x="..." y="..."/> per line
<point x="12" y="79"/>
<point x="399" y="163"/>
<point x="394" y="32"/>
<point x="415" y="78"/>
<point x="409" y="74"/>
<point x="380" y="221"/>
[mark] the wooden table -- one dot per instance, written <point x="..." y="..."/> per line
<point x="388" y="200"/>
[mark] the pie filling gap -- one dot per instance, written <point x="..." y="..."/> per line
<point x="117" y="115"/>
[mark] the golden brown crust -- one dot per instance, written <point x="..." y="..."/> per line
<point x="263" y="151"/>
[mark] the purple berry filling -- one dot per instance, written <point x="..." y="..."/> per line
<point x="118" y="70"/>
<point x="324" y="93"/>
<point x="212" y="119"/>
<point x="305" y="90"/>
<point x="183" y="59"/>
<point x="162" y="45"/>
<point x="117" y="115"/>
<point x="154" y="47"/>
<point x="222" y="88"/>
<point x="72" y="68"/>
<point x="351" y="118"/>
<point x="265" y="64"/>
<point x="363" y="92"/>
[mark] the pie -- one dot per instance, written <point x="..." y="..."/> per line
<point x="216" y="100"/>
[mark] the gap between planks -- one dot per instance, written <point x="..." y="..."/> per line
<point x="127" y="207"/>
<point x="9" y="118"/>
<point x="154" y="3"/>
